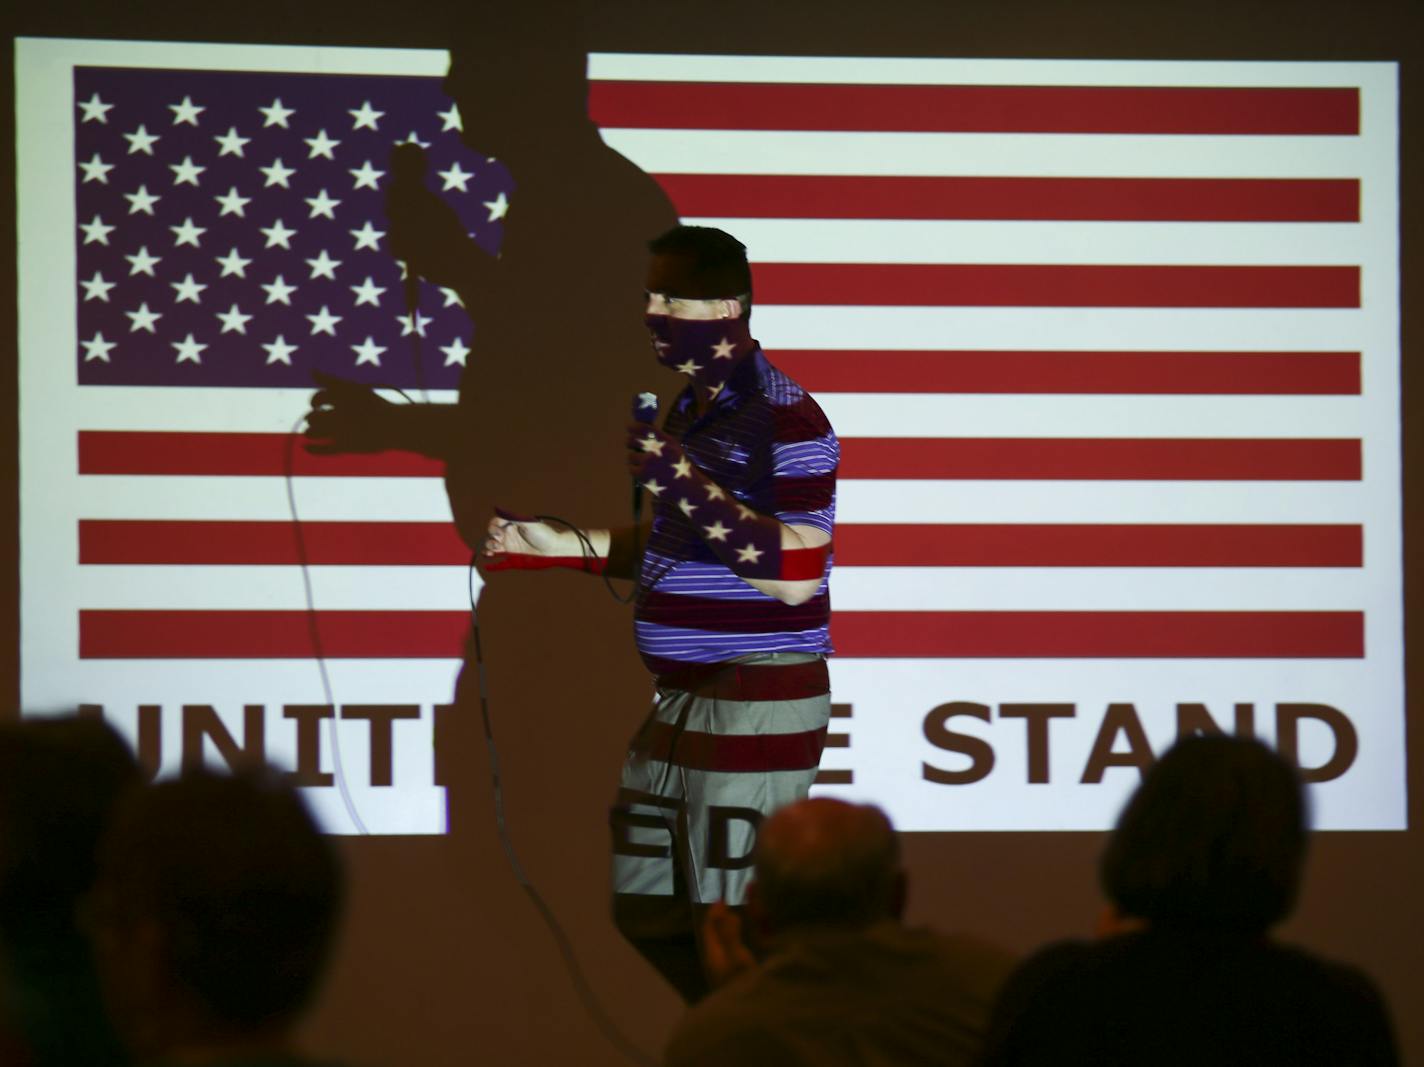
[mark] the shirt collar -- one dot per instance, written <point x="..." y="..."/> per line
<point x="742" y="382"/>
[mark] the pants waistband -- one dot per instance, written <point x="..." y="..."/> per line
<point x="751" y="681"/>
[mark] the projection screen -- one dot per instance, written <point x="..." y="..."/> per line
<point x="1112" y="349"/>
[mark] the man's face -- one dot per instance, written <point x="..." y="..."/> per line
<point x="668" y="281"/>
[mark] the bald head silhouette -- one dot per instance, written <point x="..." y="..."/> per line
<point x="825" y="863"/>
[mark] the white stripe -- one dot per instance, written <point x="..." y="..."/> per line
<point x="967" y="415"/>
<point x="985" y="155"/>
<point x="188" y="55"/>
<point x="851" y="414"/>
<point x="275" y="588"/>
<point x="353" y="681"/>
<point x="848" y="70"/>
<point x="1100" y="502"/>
<point x="857" y="500"/>
<point x="1096" y="589"/>
<point x="1114" y="243"/>
<point x="200" y="409"/>
<point x="261" y="499"/>
<point x="1088" y="329"/>
<point x="868" y="415"/>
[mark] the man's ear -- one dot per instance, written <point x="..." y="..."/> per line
<point x="731" y="309"/>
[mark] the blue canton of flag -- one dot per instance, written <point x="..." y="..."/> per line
<point x="232" y="227"/>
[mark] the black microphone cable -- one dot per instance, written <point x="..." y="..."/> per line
<point x="314" y="628"/>
<point x="313" y="625"/>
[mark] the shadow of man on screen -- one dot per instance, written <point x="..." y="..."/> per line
<point x="559" y="348"/>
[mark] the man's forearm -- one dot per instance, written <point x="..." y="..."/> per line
<point x="786" y="562"/>
<point x="616" y="552"/>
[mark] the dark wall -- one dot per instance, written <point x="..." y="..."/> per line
<point x="444" y="961"/>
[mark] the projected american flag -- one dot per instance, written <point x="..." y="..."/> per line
<point x="232" y="227"/>
<point x="1110" y="348"/>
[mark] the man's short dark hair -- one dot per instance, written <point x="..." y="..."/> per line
<point x="1214" y="838"/>
<point x="840" y="870"/>
<point x="243" y="887"/>
<point x="716" y="261"/>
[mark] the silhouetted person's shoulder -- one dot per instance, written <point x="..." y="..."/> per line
<point x="60" y="779"/>
<point x="886" y="994"/>
<point x="1188" y="997"/>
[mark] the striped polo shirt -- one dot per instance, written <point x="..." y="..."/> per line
<point x="766" y="442"/>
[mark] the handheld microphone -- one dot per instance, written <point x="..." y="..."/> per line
<point x="408" y="167"/>
<point x="645" y="411"/>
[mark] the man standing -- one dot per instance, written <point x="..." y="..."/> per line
<point x="732" y="608"/>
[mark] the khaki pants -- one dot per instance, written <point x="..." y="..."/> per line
<point x="723" y="747"/>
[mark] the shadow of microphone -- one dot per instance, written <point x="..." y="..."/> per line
<point x="408" y="168"/>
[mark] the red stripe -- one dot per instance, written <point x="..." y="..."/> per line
<point x="734" y="616"/>
<point x="859" y="634"/>
<point x="834" y="196"/>
<point x="518" y="562"/>
<point x="700" y="751"/>
<point x="1087" y="545"/>
<point x="271" y="634"/>
<point x="135" y="452"/>
<point x="1205" y="459"/>
<point x="811" y="493"/>
<point x="1222" y="373"/>
<point x="389" y="544"/>
<point x="384" y="544"/>
<point x="1249" y="459"/>
<point x="1108" y="634"/>
<point x="973" y="108"/>
<point x="1053" y="285"/>
<point x="803" y="564"/>
<point x="749" y="681"/>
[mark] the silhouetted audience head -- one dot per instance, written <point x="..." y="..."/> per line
<point x="60" y="780"/>
<point x="218" y="901"/>
<point x="714" y="262"/>
<point x="826" y="863"/>
<point x="1214" y="837"/>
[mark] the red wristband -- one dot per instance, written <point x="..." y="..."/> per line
<point x="516" y="561"/>
<point x="803" y="564"/>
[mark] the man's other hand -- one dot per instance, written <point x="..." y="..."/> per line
<point x="649" y="446"/>
<point x="513" y="542"/>
<point x="347" y="416"/>
<point x="509" y="536"/>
